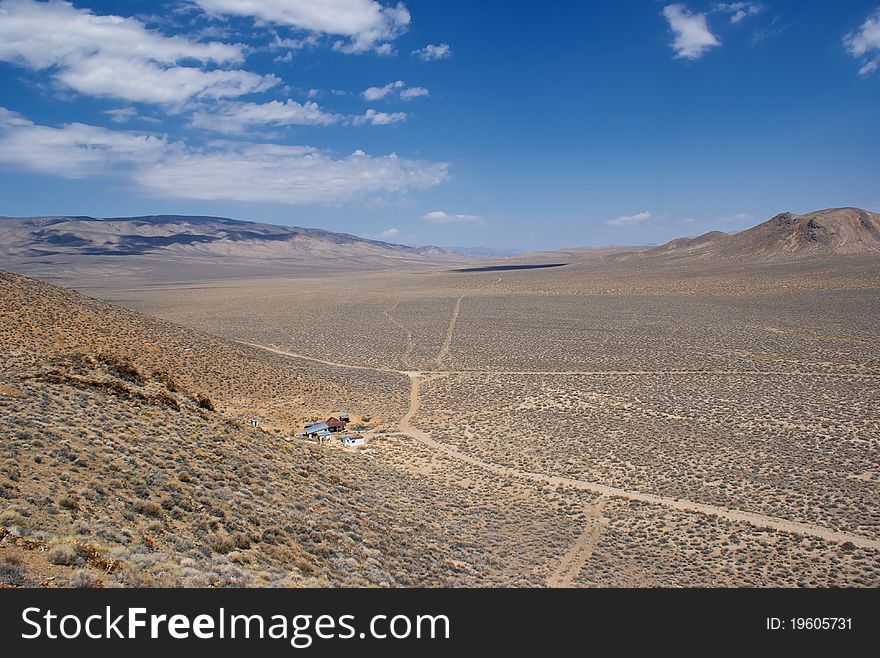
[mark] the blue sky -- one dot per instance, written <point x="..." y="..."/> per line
<point x="516" y="125"/>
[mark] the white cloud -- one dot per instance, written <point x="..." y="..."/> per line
<point x="379" y="118"/>
<point x="433" y="52"/>
<point x="237" y="117"/>
<point x="231" y="171"/>
<point x="75" y="150"/>
<point x="376" y="93"/>
<point x="388" y="234"/>
<point x="398" y="88"/>
<point x="293" y="44"/>
<point x="869" y="67"/>
<point x="692" y="35"/>
<point x="440" y="217"/>
<point x="623" y="220"/>
<point x="121" y="114"/>
<point x="286" y="174"/>
<point x="739" y="10"/>
<point x="118" y="57"/>
<point x="865" y="43"/>
<point x="413" y="92"/>
<point x="365" y="23"/>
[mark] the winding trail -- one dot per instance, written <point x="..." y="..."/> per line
<point x="456" y="312"/>
<point x="562" y="373"/>
<point x="580" y="552"/>
<point x="410" y="343"/>
<point x="304" y="357"/>
<point x="759" y="520"/>
<point x="405" y="426"/>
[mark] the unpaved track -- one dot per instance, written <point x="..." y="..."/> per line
<point x="410" y="343"/>
<point x="574" y="373"/>
<point x="450" y="331"/>
<point x="759" y="520"/>
<point x="580" y="552"/>
<point x="335" y="364"/>
<point x="636" y="373"/>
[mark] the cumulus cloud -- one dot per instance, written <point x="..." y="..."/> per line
<point x="379" y="118"/>
<point x="433" y="52"/>
<point x="365" y="24"/>
<point x="388" y="234"/>
<point x="739" y="10"/>
<point x="75" y="150"/>
<point x="413" y="92"/>
<point x="440" y="217"/>
<point x="119" y="57"/>
<point x="692" y="35"/>
<point x="238" y="117"/>
<point x="230" y="171"/>
<point x="376" y="93"/>
<point x="623" y="220"/>
<point x="864" y="43"/>
<point x="398" y="88"/>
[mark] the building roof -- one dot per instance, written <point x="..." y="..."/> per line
<point x="317" y="427"/>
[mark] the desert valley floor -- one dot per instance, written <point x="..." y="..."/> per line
<point x="596" y="424"/>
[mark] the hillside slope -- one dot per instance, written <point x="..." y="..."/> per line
<point x="116" y="470"/>
<point x="785" y="237"/>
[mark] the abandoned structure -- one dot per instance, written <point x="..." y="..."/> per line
<point x="328" y="426"/>
<point x="351" y="440"/>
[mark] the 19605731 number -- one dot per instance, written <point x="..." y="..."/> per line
<point x="810" y="624"/>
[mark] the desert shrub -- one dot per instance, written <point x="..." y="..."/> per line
<point x="83" y="578"/>
<point x="69" y="502"/>
<point x="165" y="379"/>
<point x="241" y="540"/>
<point x="205" y="402"/>
<point x="13" y="575"/>
<point x="11" y="517"/>
<point x="221" y="542"/>
<point x="148" y="507"/>
<point x="122" y="368"/>
<point x="63" y="555"/>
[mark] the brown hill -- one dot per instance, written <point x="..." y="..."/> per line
<point x="127" y="460"/>
<point x="836" y="231"/>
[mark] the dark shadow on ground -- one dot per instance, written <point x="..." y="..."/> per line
<point x="504" y="268"/>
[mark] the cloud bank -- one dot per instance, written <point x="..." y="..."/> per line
<point x="222" y="170"/>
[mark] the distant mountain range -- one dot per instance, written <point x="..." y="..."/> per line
<point x="835" y="231"/>
<point x="177" y="246"/>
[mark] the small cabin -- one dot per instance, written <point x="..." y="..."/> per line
<point x="351" y="440"/>
<point x="344" y="418"/>
<point x="314" y="429"/>
<point x="335" y="424"/>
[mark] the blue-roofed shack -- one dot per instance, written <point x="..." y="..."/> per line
<point x="316" y="429"/>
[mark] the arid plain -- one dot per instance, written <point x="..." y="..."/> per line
<point x="707" y="425"/>
<point x="681" y="416"/>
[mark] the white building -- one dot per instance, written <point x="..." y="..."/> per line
<point x="351" y="440"/>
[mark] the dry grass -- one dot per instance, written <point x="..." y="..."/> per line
<point x="776" y="414"/>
